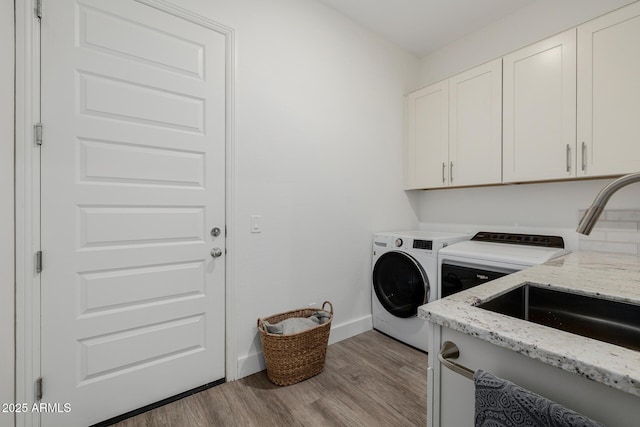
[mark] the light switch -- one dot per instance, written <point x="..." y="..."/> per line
<point x="256" y="223"/>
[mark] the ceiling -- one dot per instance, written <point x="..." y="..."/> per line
<point x="422" y="26"/>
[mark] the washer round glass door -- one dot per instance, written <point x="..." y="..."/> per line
<point x="400" y="284"/>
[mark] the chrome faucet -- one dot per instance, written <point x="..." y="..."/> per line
<point x="593" y="213"/>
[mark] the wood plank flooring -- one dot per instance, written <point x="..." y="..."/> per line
<point x="369" y="380"/>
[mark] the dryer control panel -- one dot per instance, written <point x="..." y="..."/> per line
<point x="423" y="244"/>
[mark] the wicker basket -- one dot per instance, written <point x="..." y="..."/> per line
<point x="296" y="357"/>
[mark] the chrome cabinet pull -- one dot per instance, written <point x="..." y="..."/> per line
<point x="443" y="166"/>
<point x="568" y="158"/>
<point x="584" y="155"/>
<point x="451" y="172"/>
<point x="449" y="352"/>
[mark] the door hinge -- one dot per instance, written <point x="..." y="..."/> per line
<point x="38" y="262"/>
<point x="37" y="133"/>
<point x="38" y="388"/>
<point x="38" y="9"/>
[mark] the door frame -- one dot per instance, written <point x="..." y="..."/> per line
<point x="27" y="195"/>
<point x="7" y="209"/>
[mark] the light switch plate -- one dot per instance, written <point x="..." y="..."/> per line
<point x="256" y="223"/>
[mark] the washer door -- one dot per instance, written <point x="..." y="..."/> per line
<point x="400" y="284"/>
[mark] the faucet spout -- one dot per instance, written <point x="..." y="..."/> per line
<point x="590" y="217"/>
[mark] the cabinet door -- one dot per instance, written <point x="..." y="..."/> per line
<point x="475" y="126"/>
<point x="609" y="93"/>
<point x="540" y="110"/>
<point x="427" y="137"/>
<point x="454" y="395"/>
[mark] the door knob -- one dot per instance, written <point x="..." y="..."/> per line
<point x="216" y="252"/>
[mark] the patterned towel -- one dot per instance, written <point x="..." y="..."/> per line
<point x="501" y="403"/>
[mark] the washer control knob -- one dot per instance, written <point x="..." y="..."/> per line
<point x="398" y="242"/>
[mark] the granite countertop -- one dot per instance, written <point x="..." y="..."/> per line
<point x="614" y="277"/>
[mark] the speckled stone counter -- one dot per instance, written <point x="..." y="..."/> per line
<point x="614" y="277"/>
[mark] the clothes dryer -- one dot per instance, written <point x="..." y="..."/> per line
<point x="404" y="277"/>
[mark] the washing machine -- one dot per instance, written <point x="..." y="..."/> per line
<point x="404" y="277"/>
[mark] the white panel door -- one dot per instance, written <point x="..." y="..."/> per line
<point x="133" y="180"/>
<point x="475" y="126"/>
<point x="609" y="93"/>
<point x="426" y="153"/>
<point x="539" y="121"/>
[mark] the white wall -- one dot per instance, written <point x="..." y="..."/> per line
<point x="318" y="153"/>
<point x="534" y="22"/>
<point x="528" y="207"/>
<point x="545" y="207"/>
<point x="6" y="210"/>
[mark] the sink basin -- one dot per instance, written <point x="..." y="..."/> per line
<point x="609" y="321"/>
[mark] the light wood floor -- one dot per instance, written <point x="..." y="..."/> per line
<point x="369" y="380"/>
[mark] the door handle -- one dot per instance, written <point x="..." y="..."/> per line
<point x="443" y="166"/>
<point x="451" y="172"/>
<point x="216" y="252"/>
<point x="584" y="155"/>
<point x="568" y="158"/>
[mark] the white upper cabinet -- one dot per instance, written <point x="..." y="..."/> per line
<point x="563" y="108"/>
<point x="454" y="131"/>
<point x="427" y="138"/>
<point x="609" y="93"/>
<point x="539" y="122"/>
<point x="475" y="126"/>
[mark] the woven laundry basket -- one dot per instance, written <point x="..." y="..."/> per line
<point x="295" y="357"/>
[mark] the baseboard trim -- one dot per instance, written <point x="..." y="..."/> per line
<point x="350" y="329"/>
<point x="250" y="364"/>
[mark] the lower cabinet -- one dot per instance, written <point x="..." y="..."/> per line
<point x="451" y="397"/>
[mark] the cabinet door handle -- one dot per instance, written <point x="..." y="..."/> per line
<point x="451" y="172"/>
<point x="449" y="352"/>
<point x="443" y="166"/>
<point x="584" y="155"/>
<point x="568" y="158"/>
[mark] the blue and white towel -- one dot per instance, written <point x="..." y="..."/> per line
<point x="501" y="403"/>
